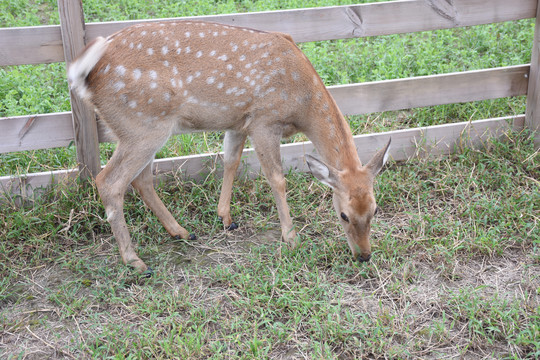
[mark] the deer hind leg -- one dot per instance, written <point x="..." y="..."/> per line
<point x="124" y="166"/>
<point x="233" y="146"/>
<point x="143" y="183"/>
<point x="267" y="148"/>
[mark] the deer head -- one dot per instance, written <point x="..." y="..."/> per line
<point x="353" y="198"/>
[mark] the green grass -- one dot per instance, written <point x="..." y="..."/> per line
<point x="455" y="271"/>
<point x="456" y="265"/>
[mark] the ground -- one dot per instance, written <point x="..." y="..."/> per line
<point x="455" y="272"/>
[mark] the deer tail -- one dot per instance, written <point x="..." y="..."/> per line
<point x="79" y="69"/>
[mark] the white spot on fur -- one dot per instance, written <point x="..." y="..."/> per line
<point x="187" y="34"/>
<point x="153" y="85"/>
<point x="242" y="58"/>
<point x="153" y="74"/>
<point x="150" y="51"/>
<point x="120" y="70"/>
<point x="210" y="80"/>
<point x="132" y="104"/>
<point x="119" y="85"/>
<point x="223" y="57"/>
<point x="189" y="79"/>
<point x="137" y="74"/>
<point x="164" y="50"/>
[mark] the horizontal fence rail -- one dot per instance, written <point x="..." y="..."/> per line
<point x="43" y="44"/>
<point x="56" y="130"/>
<point x="406" y="144"/>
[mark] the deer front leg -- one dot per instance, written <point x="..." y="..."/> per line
<point x="267" y="148"/>
<point x="143" y="183"/>
<point x="233" y="146"/>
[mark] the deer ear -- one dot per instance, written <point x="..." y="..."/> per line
<point x="376" y="163"/>
<point x="326" y="174"/>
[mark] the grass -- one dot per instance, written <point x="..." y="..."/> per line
<point x="456" y="265"/>
<point x="455" y="272"/>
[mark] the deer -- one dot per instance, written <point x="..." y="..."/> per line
<point x="151" y="80"/>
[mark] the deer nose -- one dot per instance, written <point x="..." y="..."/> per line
<point x="363" y="259"/>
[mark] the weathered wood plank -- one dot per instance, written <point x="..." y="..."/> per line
<point x="532" y="119"/>
<point x="84" y="119"/>
<point x="31" y="45"/>
<point x="43" y="44"/>
<point x="372" y="19"/>
<point x="431" y="90"/>
<point x="35" y="132"/>
<point x="406" y="144"/>
<point x="352" y="99"/>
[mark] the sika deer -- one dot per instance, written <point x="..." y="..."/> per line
<point x="149" y="81"/>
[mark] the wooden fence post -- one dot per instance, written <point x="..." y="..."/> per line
<point x="84" y="120"/>
<point x="532" y="116"/>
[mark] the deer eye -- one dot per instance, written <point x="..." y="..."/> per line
<point x="344" y="217"/>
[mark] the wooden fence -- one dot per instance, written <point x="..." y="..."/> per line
<point x="57" y="43"/>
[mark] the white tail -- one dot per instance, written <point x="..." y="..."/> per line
<point x="150" y="80"/>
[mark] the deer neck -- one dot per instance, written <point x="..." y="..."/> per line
<point x="332" y="136"/>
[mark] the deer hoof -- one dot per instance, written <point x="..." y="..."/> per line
<point x="148" y="273"/>
<point x="192" y="237"/>
<point x="233" y="226"/>
<point x="361" y="259"/>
